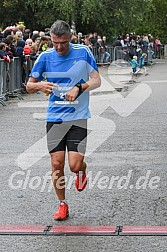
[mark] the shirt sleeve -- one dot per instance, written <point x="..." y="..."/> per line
<point x="92" y="66"/>
<point x="38" y="68"/>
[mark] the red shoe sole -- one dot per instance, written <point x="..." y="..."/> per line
<point x="62" y="219"/>
<point x="80" y="189"/>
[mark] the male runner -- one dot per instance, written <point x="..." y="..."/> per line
<point x="67" y="72"/>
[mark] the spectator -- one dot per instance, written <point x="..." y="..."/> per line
<point x="142" y="63"/>
<point x="88" y="42"/>
<point x="122" y="41"/>
<point x="150" y="51"/>
<point x="74" y="39"/>
<point x="116" y="43"/>
<point x="26" y="34"/>
<point x="8" y="48"/>
<point x="27" y="47"/>
<point x="47" y="31"/>
<point x="33" y="54"/>
<point x="3" y="52"/>
<point x="107" y="54"/>
<point x="93" y="39"/>
<point x="12" y="44"/>
<point x="41" y="34"/>
<point x="37" y="43"/>
<point x="157" y="47"/>
<point x="21" y="27"/>
<point x="43" y="44"/>
<point x="35" y="34"/>
<point x="20" y="53"/>
<point x="19" y="35"/>
<point x="80" y="40"/>
<point x="29" y="42"/>
<point x="145" y="42"/>
<point x="134" y="64"/>
<point x="7" y="32"/>
<point x="102" y="50"/>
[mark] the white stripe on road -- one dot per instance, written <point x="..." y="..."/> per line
<point x="156" y="81"/>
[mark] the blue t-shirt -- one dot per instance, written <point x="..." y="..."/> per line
<point x="66" y="71"/>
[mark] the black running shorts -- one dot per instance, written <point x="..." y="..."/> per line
<point x="72" y="135"/>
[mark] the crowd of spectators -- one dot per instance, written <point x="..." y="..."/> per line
<point x="21" y="42"/>
<point x="140" y="44"/>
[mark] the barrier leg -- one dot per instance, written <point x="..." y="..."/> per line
<point x="12" y="95"/>
<point x="2" y="102"/>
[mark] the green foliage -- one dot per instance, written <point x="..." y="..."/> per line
<point x="109" y="17"/>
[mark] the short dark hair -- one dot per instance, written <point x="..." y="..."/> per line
<point x="6" y="41"/>
<point x="2" y="45"/>
<point x="44" y="38"/>
<point x="60" y="28"/>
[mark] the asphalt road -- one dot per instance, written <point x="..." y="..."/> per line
<point x="126" y="164"/>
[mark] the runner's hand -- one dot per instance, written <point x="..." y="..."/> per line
<point x="47" y="87"/>
<point x="72" y="94"/>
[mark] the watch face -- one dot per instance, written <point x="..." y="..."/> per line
<point x="79" y="86"/>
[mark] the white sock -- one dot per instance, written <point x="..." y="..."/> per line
<point x="81" y="173"/>
<point x="63" y="202"/>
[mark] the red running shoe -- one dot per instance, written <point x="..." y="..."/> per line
<point x="80" y="181"/>
<point x="62" y="212"/>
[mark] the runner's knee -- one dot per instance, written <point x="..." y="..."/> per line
<point x="57" y="165"/>
<point x="76" y="166"/>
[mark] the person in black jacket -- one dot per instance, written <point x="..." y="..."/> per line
<point x="20" y="53"/>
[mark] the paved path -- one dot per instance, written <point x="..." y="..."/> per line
<point x="128" y="139"/>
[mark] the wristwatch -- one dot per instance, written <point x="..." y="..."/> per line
<point x="78" y="85"/>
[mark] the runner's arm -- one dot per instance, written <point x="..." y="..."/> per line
<point x="93" y="82"/>
<point x="33" y="85"/>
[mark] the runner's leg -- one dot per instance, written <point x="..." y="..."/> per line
<point x="76" y="162"/>
<point x="57" y="161"/>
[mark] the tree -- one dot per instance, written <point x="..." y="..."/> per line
<point x="107" y="17"/>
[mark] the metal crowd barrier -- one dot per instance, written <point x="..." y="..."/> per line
<point x="119" y="52"/>
<point x="11" y="78"/>
<point x="28" y="68"/>
<point x="3" y="77"/>
<point x="97" y="55"/>
<point x="14" y="80"/>
<point x="165" y="51"/>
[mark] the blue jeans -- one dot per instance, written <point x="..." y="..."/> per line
<point x="104" y="57"/>
<point x="134" y="70"/>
